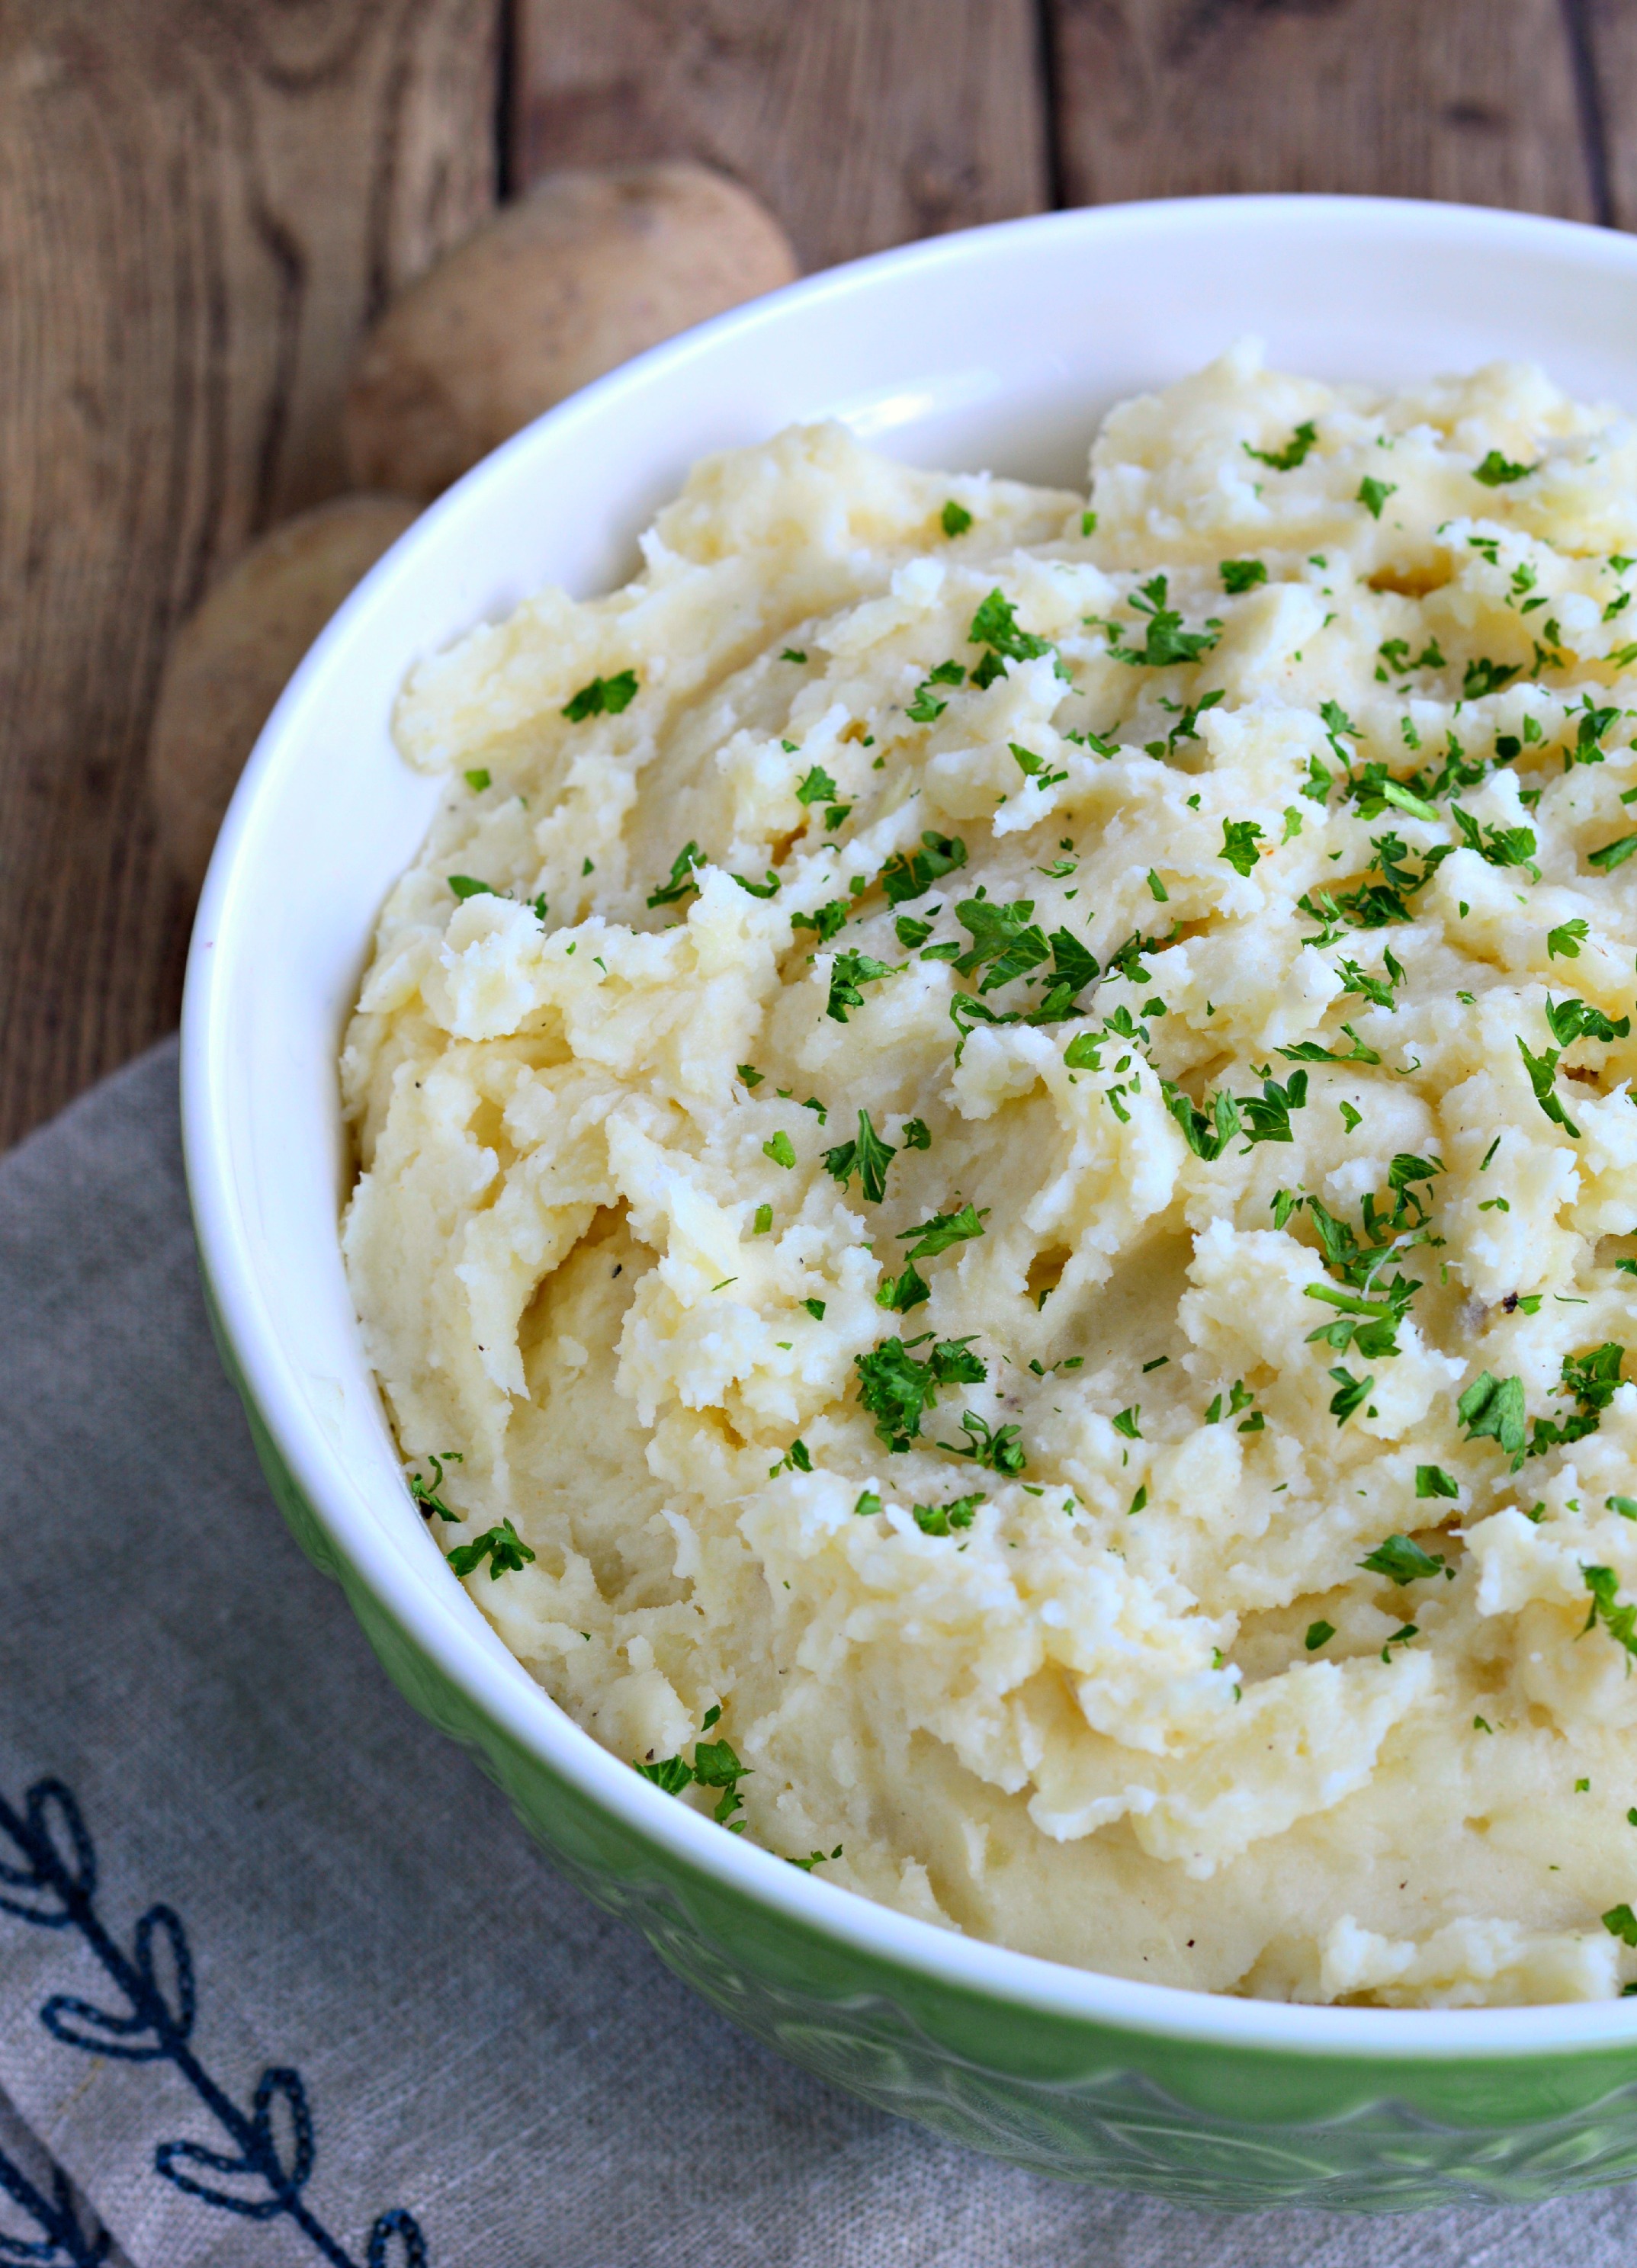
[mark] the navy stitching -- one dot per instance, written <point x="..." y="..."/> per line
<point x="63" y="2243"/>
<point x="53" y="1885"/>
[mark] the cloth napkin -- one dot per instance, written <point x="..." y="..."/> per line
<point x="282" y="1981"/>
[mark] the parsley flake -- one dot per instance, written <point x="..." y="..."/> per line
<point x="897" y="1388"/>
<point x="604" y="696"/>
<point x="1402" y="1561"/>
<point x="850" y="970"/>
<point x="1492" y="1408"/>
<point x="681" y="881"/>
<point x="955" y="519"/>
<point x="1240" y="837"/>
<point x="1497" y="471"/>
<point x="503" y="1547"/>
<point x="1294" y="453"/>
<point x="868" y="1157"/>
<point x="1165" y="640"/>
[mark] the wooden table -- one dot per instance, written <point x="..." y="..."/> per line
<point x="204" y="202"/>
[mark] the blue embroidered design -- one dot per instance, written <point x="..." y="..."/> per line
<point x="63" y="2242"/>
<point x="54" y="1884"/>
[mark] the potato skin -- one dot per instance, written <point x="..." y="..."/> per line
<point x="232" y="659"/>
<point x="588" y="270"/>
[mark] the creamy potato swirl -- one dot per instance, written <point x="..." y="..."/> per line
<point x="998" y="1177"/>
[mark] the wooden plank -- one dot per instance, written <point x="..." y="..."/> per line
<point x="1477" y="101"/>
<point x="861" y="123"/>
<point x="200" y="206"/>
<point x="1605" y="36"/>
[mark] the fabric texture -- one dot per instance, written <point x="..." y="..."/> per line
<point x="323" y="1999"/>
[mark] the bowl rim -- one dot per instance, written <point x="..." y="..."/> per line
<point x="523" y="1712"/>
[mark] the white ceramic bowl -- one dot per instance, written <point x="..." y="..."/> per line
<point x="1001" y="348"/>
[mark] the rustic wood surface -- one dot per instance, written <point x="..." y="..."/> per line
<point x="201" y="202"/>
<point x="859" y="122"/>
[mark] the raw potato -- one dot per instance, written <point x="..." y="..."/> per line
<point x="587" y="270"/>
<point x="232" y="659"/>
<point x="1146" y="1475"/>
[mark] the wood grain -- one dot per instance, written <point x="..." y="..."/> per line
<point x="1472" y="99"/>
<point x="861" y="123"/>
<point x="1605" y="32"/>
<point x="201" y="204"/>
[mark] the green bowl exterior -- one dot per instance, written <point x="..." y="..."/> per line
<point x="1227" y="2127"/>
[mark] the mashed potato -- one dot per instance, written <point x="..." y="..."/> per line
<point x="998" y="1170"/>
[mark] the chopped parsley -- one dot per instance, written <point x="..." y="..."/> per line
<point x="925" y="709"/>
<point x="1497" y="471"/>
<point x="1501" y="846"/>
<point x="940" y="1518"/>
<point x="1004" y="939"/>
<point x="477" y="781"/>
<point x="682" y="881"/>
<point x="604" y="696"/>
<point x="1206" y="1137"/>
<point x="994" y="625"/>
<point x="1621" y="1624"/>
<point x="1492" y="1408"/>
<point x="1372" y="494"/>
<point x="851" y="969"/>
<point x="781" y="1150"/>
<point x="1241" y="575"/>
<point x="899" y="1293"/>
<point x="1267" y="1115"/>
<point x="1432" y="1480"/>
<point x="763" y="1220"/>
<point x="911" y="874"/>
<point x="769" y="888"/>
<point x="1240" y="837"/>
<point x="826" y="919"/>
<point x="817" y="787"/>
<point x="897" y="1387"/>
<point x="1591" y="1379"/>
<point x="1573" y="1020"/>
<point x="868" y="1157"/>
<point x="1165" y="641"/>
<point x="1566" y="939"/>
<point x="943" y="1230"/>
<point x="467" y="885"/>
<point x="1542" y="1071"/>
<point x="955" y="519"/>
<point x="1402" y="1561"/>
<point x="429" y="1500"/>
<point x="1350" y="1392"/>
<point x="1294" y="453"/>
<point x="999" y="1448"/>
<point x="503" y="1547"/>
<point x="1612" y="854"/>
<point x="793" y="653"/>
<point x="1319" y="1633"/>
<point x="1034" y="767"/>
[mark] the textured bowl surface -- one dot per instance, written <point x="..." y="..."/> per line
<point x="1001" y="348"/>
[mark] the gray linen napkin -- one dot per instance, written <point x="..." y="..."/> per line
<point x="479" y="2069"/>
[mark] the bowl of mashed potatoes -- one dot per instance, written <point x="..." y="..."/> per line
<point x="909" y="1083"/>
